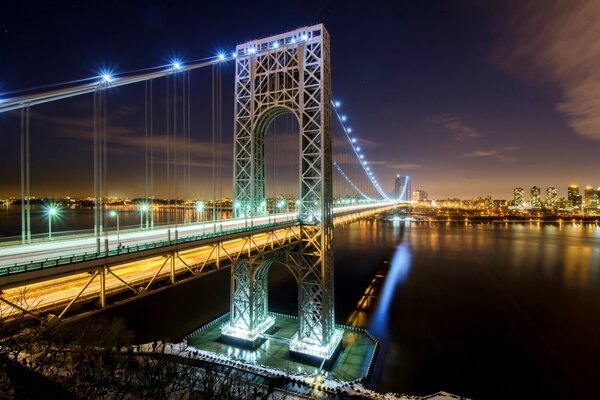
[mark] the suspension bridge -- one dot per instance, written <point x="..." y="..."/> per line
<point x="289" y="191"/>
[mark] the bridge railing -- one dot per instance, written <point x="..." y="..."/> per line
<point x="88" y="256"/>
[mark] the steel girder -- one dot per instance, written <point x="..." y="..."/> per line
<point x="287" y="73"/>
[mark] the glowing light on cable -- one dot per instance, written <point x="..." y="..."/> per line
<point x="176" y="64"/>
<point x="106" y="77"/>
<point x="342" y="119"/>
<point x="234" y="54"/>
<point x="275" y="44"/>
<point x="221" y="56"/>
<point x="304" y="37"/>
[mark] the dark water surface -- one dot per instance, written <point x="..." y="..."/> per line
<point x="486" y="311"/>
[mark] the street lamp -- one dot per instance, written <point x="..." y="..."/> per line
<point x="280" y="205"/>
<point x="143" y="209"/>
<point x="199" y="210"/>
<point x="51" y="211"/>
<point x="115" y="214"/>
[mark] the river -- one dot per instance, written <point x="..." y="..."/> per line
<point x="483" y="310"/>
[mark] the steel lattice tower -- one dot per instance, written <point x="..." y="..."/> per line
<point x="287" y="73"/>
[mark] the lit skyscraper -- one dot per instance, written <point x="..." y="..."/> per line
<point x="551" y="197"/>
<point x="519" y="194"/>
<point x="535" y="197"/>
<point x="573" y="196"/>
<point x="402" y="190"/>
<point x="589" y="196"/>
<point x="420" y="195"/>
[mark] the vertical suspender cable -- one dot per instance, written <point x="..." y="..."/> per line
<point x="151" y="133"/>
<point x="146" y="155"/>
<point x="175" y="149"/>
<point x="27" y="175"/>
<point x="95" y="157"/>
<point x="220" y="136"/>
<point x="184" y="145"/>
<point x="104" y="163"/>
<point x="189" y="139"/>
<point x="214" y="144"/>
<point x="23" y="226"/>
<point x="168" y="126"/>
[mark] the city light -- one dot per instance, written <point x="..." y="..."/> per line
<point x="115" y="214"/>
<point x="106" y="77"/>
<point x="221" y="57"/>
<point x="176" y="65"/>
<point x="51" y="211"/>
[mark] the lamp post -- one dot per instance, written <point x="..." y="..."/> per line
<point x="115" y="214"/>
<point x="199" y="210"/>
<point x="51" y="211"/>
<point x="143" y="209"/>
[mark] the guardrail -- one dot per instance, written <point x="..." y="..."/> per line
<point x="65" y="260"/>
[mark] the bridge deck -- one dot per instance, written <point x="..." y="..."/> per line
<point x="58" y="284"/>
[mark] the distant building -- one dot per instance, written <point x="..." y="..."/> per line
<point x="535" y="197"/>
<point x="573" y="196"/>
<point x="420" y="195"/>
<point x="589" y="195"/>
<point x="402" y="190"/>
<point x="519" y="194"/>
<point x="551" y="198"/>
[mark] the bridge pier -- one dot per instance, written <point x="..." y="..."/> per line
<point x="103" y="287"/>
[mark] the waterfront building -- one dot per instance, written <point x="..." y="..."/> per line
<point x="420" y="195"/>
<point x="535" y="197"/>
<point x="551" y="198"/>
<point x="573" y="196"/>
<point x="519" y="194"/>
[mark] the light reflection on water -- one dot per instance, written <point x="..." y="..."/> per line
<point x="396" y="277"/>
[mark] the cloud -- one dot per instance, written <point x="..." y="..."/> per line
<point x="404" y="166"/>
<point x="558" y="42"/>
<point x="122" y="139"/>
<point x="498" y="153"/>
<point x="455" y="125"/>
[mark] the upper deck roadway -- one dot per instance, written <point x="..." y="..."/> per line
<point x="18" y="258"/>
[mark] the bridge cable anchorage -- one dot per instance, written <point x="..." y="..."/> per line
<point x="371" y="177"/>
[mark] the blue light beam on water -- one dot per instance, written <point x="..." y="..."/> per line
<point x="396" y="277"/>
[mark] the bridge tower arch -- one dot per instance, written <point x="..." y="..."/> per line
<point x="289" y="72"/>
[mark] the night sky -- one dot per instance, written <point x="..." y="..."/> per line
<point x="468" y="97"/>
